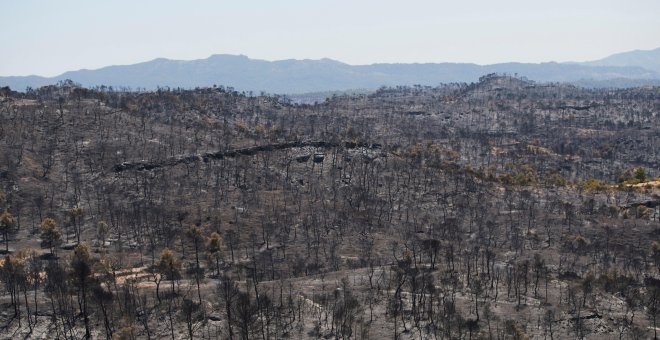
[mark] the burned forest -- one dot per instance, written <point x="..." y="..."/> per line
<point x="500" y="209"/>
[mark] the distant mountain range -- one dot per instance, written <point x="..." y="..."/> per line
<point x="300" y="76"/>
<point x="649" y="60"/>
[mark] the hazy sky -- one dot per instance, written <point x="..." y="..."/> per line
<point x="50" y="37"/>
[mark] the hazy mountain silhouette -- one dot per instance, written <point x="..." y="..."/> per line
<point x="649" y="60"/>
<point x="298" y="76"/>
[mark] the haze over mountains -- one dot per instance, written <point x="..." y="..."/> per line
<point x="647" y="59"/>
<point x="299" y="76"/>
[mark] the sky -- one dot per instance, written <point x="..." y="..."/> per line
<point x="48" y="38"/>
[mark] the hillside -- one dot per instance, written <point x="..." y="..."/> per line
<point x="501" y="208"/>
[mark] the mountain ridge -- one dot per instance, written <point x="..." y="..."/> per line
<point x="650" y="59"/>
<point x="291" y="76"/>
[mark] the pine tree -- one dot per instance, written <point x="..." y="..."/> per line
<point x="51" y="236"/>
